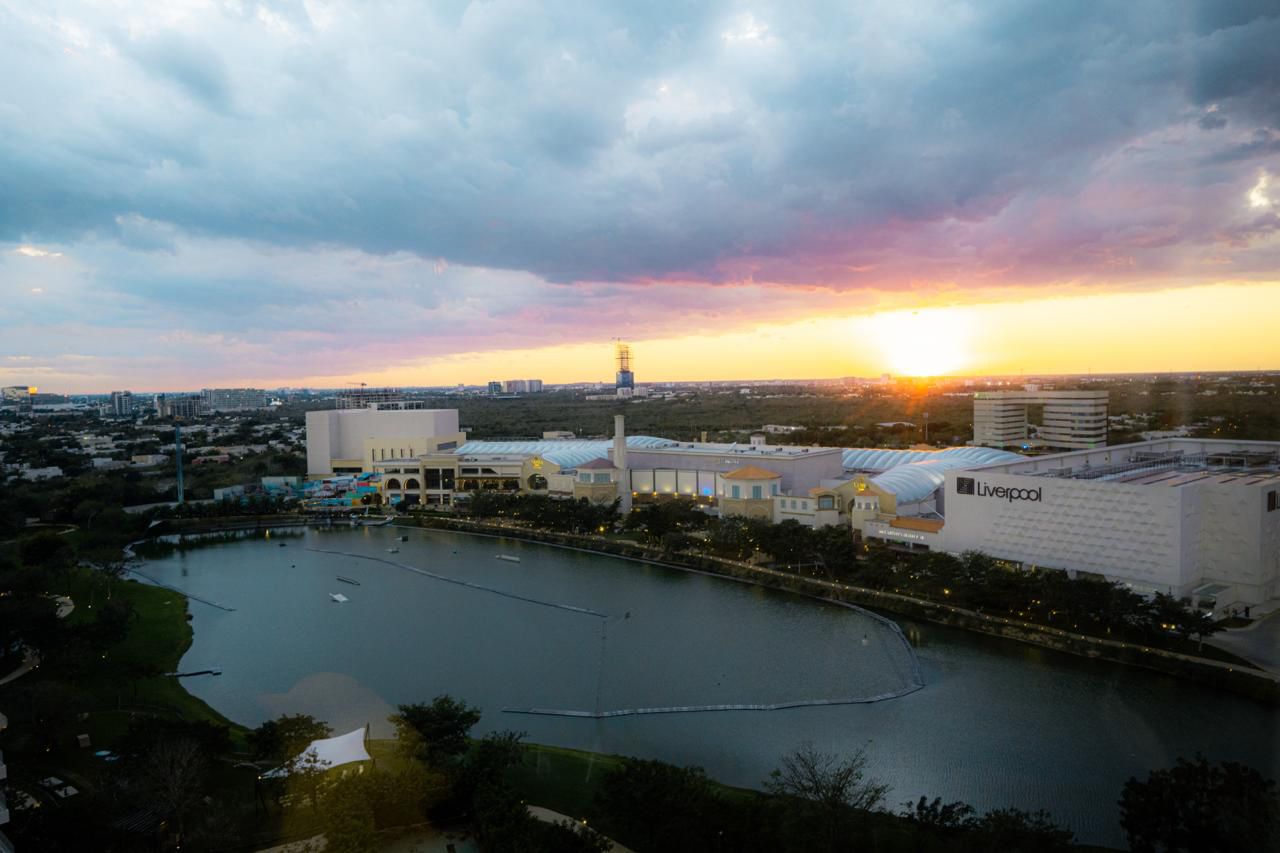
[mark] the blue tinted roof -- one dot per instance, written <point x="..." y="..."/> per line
<point x="913" y="475"/>
<point x="566" y="454"/>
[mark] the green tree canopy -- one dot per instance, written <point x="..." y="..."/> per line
<point x="287" y="735"/>
<point x="1196" y="807"/>
<point x="435" y="733"/>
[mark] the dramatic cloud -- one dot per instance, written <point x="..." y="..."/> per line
<point x="364" y="181"/>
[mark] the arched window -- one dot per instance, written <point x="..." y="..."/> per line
<point x="411" y="484"/>
<point x="393" y="483"/>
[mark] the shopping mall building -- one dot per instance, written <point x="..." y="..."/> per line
<point x="1188" y="517"/>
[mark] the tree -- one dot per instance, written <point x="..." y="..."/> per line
<point x="827" y="791"/>
<point x="436" y="733"/>
<point x="487" y="761"/>
<point x="47" y="551"/>
<point x="172" y="775"/>
<point x="657" y="806"/>
<point x="287" y="735"/>
<point x="788" y="542"/>
<point x="1195" y="806"/>
<point x="1016" y="831"/>
<point x="347" y="816"/>
<point x="503" y="825"/>
<point x="939" y="816"/>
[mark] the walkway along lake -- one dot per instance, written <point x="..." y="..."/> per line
<point x="996" y="723"/>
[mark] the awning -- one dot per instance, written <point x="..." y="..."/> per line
<point x="328" y="753"/>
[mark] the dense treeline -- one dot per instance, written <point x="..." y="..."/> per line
<point x="974" y="581"/>
<point x="1048" y="597"/>
<point x="543" y="512"/>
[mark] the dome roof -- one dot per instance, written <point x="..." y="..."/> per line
<point x="913" y="475"/>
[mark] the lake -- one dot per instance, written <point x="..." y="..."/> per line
<point x="996" y="724"/>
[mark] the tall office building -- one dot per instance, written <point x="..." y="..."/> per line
<point x="1072" y="420"/>
<point x="495" y="387"/>
<point x="122" y="404"/>
<point x="234" y="399"/>
<point x="186" y="407"/>
<point x="515" y="386"/>
<point x="533" y="385"/>
<point x="625" y="380"/>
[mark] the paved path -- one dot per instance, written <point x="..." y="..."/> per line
<point x="549" y="816"/>
<point x="29" y="662"/>
<point x="1258" y="643"/>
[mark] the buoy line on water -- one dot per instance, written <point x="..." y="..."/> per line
<point x="913" y="679"/>
<point x="479" y="587"/>
<point x="691" y="709"/>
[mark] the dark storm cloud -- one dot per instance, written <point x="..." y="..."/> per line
<point x="242" y="167"/>
<point x="633" y="142"/>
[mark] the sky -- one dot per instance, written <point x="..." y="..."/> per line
<point x="198" y="194"/>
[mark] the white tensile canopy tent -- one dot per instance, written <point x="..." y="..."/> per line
<point x="327" y="753"/>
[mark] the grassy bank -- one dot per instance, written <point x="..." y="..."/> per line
<point x="125" y="679"/>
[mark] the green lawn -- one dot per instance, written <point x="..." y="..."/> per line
<point x="158" y="637"/>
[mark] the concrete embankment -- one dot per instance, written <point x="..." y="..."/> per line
<point x="1254" y="683"/>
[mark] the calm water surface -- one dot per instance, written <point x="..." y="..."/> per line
<point x="997" y="724"/>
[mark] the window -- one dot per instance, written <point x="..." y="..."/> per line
<point x="773" y="490"/>
<point x="584" y="477"/>
<point x="826" y="502"/>
<point x="757" y="492"/>
<point x="1271" y="501"/>
<point x="735" y="491"/>
<point x="602" y="478"/>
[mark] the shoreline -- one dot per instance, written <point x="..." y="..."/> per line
<point x="1257" y="684"/>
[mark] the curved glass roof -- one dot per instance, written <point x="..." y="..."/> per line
<point x="565" y="453"/>
<point x="880" y="459"/>
<point x="913" y="475"/>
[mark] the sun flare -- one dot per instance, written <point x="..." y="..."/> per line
<point x="928" y="342"/>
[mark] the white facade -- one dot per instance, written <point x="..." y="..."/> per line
<point x="1072" y="419"/>
<point x="1132" y="514"/>
<point x="691" y="468"/>
<point x="351" y="440"/>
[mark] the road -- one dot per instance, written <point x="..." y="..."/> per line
<point x="1259" y="643"/>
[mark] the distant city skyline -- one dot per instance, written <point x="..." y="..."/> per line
<point x="198" y="195"/>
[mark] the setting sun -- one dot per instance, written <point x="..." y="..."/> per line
<point x="929" y="342"/>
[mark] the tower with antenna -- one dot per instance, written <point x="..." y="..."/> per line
<point x="625" y="380"/>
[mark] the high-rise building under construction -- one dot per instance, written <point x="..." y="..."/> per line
<point x="625" y="382"/>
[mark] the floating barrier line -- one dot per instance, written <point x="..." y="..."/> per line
<point x="692" y="709"/>
<point x="180" y="591"/>
<point x="569" y="607"/>
<point x="916" y="675"/>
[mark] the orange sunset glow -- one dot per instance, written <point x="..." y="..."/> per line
<point x="1195" y="328"/>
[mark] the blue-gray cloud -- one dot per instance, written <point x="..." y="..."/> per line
<point x="623" y="142"/>
<point x="189" y="160"/>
